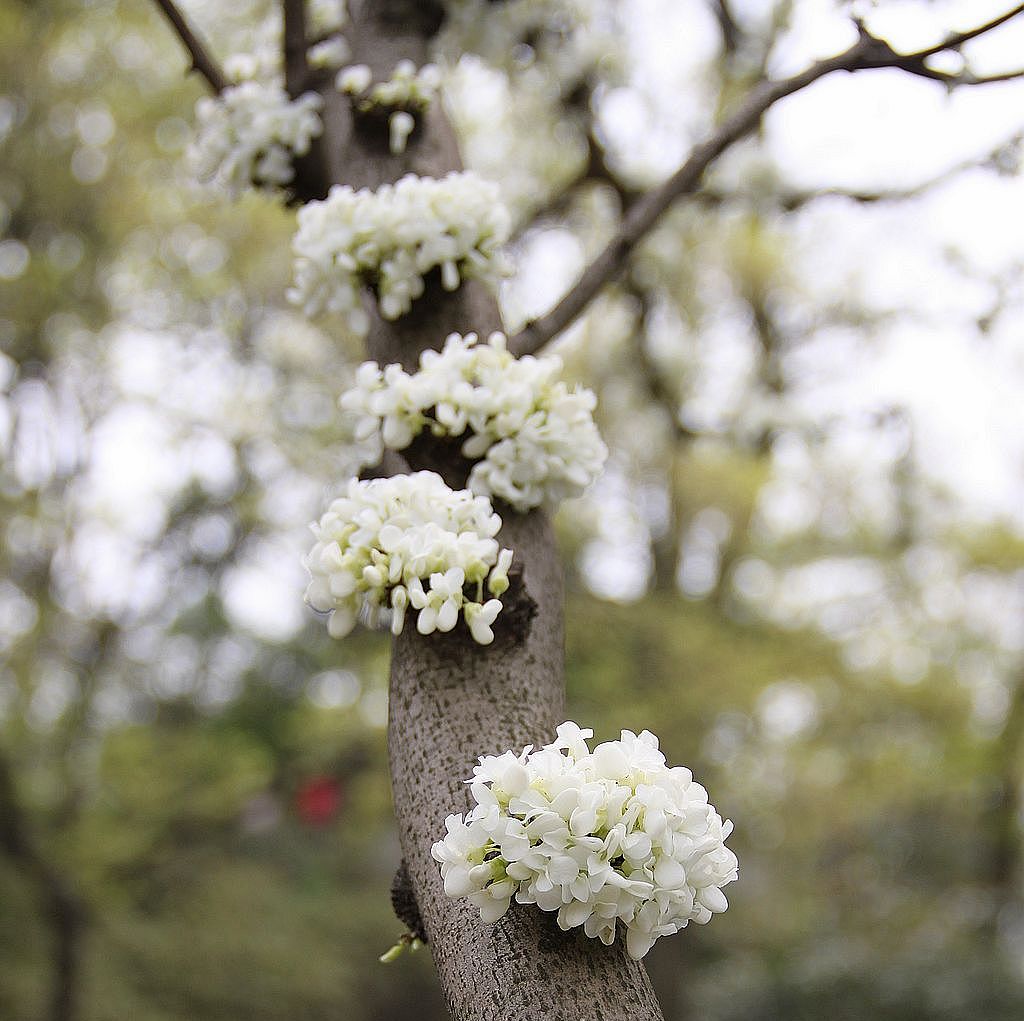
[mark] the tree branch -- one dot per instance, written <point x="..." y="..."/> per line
<point x="967" y="77"/>
<point x="793" y="200"/>
<point x="452" y="700"/>
<point x="732" y="34"/>
<point x="595" y="169"/>
<point x="991" y="79"/>
<point x="867" y="53"/>
<point x="957" y="39"/>
<point x="201" y="59"/>
<point x="649" y="209"/>
<point x="790" y="200"/>
<point x="657" y="387"/>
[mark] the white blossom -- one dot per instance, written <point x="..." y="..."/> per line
<point x="249" y="134"/>
<point x="400" y="127"/>
<point x="533" y="439"/>
<point x="327" y="16"/>
<point x="480" y="617"/>
<point x="261" y="64"/>
<point x="329" y="53"/>
<point x="354" y="79"/>
<point x="407" y="541"/>
<point x="602" y="838"/>
<point x="389" y="239"/>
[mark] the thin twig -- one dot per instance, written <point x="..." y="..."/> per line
<point x="954" y="79"/>
<point x="990" y="79"/>
<point x="649" y="209"/>
<point x="660" y="391"/>
<point x="790" y="200"/>
<point x="201" y="59"/>
<point x="867" y="53"/>
<point x="595" y="169"/>
<point x="732" y="34"/>
<point x="957" y="39"/>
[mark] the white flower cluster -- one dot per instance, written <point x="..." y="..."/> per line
<point x="248" y="135"/>
<point x="408" y="87"/>
<point x="408" y="90"/>
<point x="601" y="837"/>
<point x="403" y="541"/>
<point x="390" y="238"/>
<point x="534" y="440"/>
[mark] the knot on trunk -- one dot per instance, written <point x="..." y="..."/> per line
<point x="403" y="900"/>
<point x="519" y="609"/>
<point x="423" y="18"/>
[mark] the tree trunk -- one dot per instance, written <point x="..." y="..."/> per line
<point x="452" y="700"/>
<point x="68" y="922"/>
<point x="1002" y="864"/>
<point x="63" y="909"/>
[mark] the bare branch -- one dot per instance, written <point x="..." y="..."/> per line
<point x="732" y="34"/>
<point x="657" y="386"/>
<point x="916" y="63"/>
<point x="595" y="169"/>
<point x="792" y="200"/>
<point x="957" y="39"/>
<point x="867" y="53"/>
<point x="201" y="59"/>
<point x="912" y="65"/>
<point x="553" y="206"/>
<point x="649" y="209"/>
<point x="967" y="78"/>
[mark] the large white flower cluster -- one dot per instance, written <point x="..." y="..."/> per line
<point x="534" y="440"/>
<point x="408" y="541"/>
<point x="391" y="238"/>
<point x="249" y="134"/>
<point x="600" y="837"/>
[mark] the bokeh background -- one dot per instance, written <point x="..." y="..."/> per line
<point x="803" y="568"/>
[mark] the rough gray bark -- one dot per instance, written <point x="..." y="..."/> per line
<point x="452" y="700"/>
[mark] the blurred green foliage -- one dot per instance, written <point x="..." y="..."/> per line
<point x="215" y="795"/>
<point x="863" y="835"/>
